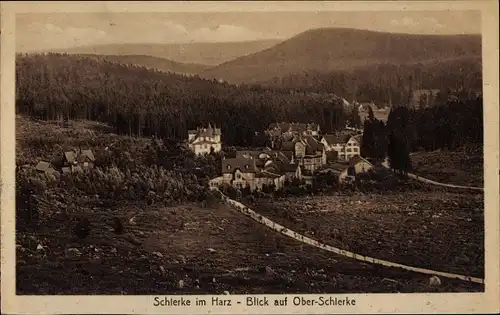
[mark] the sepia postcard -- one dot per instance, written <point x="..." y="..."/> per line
<point x="249" y="157"/>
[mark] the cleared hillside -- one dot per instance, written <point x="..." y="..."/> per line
<point x="331" y="49"/>
<point x="197" y="53"/>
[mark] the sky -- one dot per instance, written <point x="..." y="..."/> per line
<point x="45" y="31"/>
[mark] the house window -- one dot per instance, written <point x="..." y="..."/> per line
<point x="205" y="146"/>
<point x="349" y="144"/>
<point x="246" y="166"/>
<point x="229" y="167"/>
<point x="355" y="149"/>
<point x="348" y="149"/>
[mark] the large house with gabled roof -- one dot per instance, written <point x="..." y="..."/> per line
<point x="278" y="132"/>
<point x="346" y="145"/>
<point x="205" y="140"/>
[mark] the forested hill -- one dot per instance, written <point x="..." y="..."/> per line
<point x="384" y="82"/>
<point x="334" y="49"/>
<point x="199" y="53"/>
<point x="142" y="101"/>
<point x="150" y="62"/>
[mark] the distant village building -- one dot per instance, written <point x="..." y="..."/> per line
<point x="46" y="167"/>
<point x="297" y="158"/>
<point x="289" y="130"/>
<point x="306" y="151"/>
<point x="346" y="145"/>
<point x="347" y="170"/>
<point x="242" y="172"/>
<point x="78" y="160"/>
<point x="205" y="140"/>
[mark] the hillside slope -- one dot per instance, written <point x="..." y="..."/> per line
<point x="150" y="62"/>
<point x="198" y="53"/>
<point x="332" y="49"/>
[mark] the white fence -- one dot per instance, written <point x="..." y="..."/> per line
<point x="428" y="181"/>
<point x="304" y="239"/>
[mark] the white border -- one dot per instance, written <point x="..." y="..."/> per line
<point x="365" y="303"/>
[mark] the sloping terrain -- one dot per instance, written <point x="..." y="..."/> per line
<point x="332" y="49"/>
<point x="209" y="246"/>
<point x="214" y="248"/>
<point x="197" y="53"/>
<point x="460" y="167"/>
<point x="433" y="229"/>
<point x="150" y="62"/>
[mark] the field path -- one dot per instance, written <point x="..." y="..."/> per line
<point x="306" y="240"/>
<point x="432" y="182"/>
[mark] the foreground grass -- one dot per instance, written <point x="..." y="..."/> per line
<point x="211" y="248"/>
<point x="463" y="167"/>
<point x="216" y="247"/>
<point x="436" y="229"/>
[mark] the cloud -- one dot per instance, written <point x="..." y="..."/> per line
<point x="43" y="35"/>
<point x="409" y="22"/>
<point x="47" y="35"/>
<point x="227" y="33"/>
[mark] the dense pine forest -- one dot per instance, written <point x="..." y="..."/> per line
<point x="451" y="125"/>
<point x="389" y="83"/>
<point x="139" y="101"/>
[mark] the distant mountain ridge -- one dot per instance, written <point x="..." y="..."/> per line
<point x="195" y="53"/>
<point x="150" y="62"/>
<point x="330" y="49"/>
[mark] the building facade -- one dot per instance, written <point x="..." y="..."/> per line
<point x="205" y="140"/>
<point x="346" y="146"/>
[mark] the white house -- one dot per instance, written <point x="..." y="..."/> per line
<point x="345" y="171"/>
<point x="347" y="146"/>
<point x="205" y="140"/>
<point x="242" y="172"/>
<point x="307" y="152"/>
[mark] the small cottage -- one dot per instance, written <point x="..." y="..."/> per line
<point x="46" y="167"/>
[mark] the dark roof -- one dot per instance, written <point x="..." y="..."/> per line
<point x="332" y="155"/>
<point x="265" y="174"/>
<point x="248" y="154"/>
<point x="281" y="156"/>
<point x="89" y="154"/>
<point x="43" y="166"/>
<point x="244" y="165"/>
<point x="289" y="167"/>
<point x="359" y="138"/>
<point x="295" y="127"/>
<point x="70" y="156"/>
<point x="337" y="138"/>
<point x="288" y="154"/>
<point x="288" y="146"/>
<point x="312" y="145"/>
<point x="356" y="159"/>
<point x="205" y="132"/>
<point x="336" y="167"/>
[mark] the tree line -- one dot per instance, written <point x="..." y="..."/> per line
<point x="389" y="84"/>
<point x="144" y="102"/>
<point x="450" y="126"/>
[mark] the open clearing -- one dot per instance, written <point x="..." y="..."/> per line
<point x="464" y="167"/>
<point x="165" y="245"/>
<point x="431" y="229"/>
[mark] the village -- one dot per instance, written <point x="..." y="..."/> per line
<point x="296" y="152"/>
<point x="308" y="164"/>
